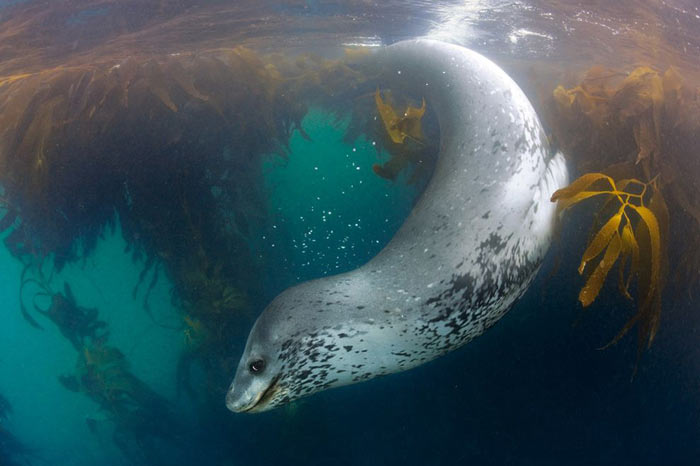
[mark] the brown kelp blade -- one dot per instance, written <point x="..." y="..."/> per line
<point x="580" y="184"/>
<point x="602" y="239"/>
<point x="590" y="291"/>
<point x="630" y="249"/>
<point x="576" y="191"/>
<point x="400" y="127"/>
<point x="640" y="246"/>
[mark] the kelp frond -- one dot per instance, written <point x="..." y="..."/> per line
<point x="631" y="237"/>
<point x="408" y="125"/>
<point x="403" y="135"/>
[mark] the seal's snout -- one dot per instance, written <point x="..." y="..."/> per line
<point x="238" y="400"/>
<point x="233" y="402"/>
<point x="253" y="397"/>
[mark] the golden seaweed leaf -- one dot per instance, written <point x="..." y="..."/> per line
<point x="652" y="226"/>
<point x="595" y="282"/>
<point x="630" y="249"/>
<point x="575" y="192"/>
<point x="400" y="127"/>
<point x="602" y="239"/>
<point x="10" y="79"/>
<point x="618" y="237"/>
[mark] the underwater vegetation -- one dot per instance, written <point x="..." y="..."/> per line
<point x="12" y="451"/>
<point x="77" y="324"/>
<point x="408" y="125"/>
<point x="80" y="131"/>
<point x="140" y="416"/>
<point x="630" y="234"/>
<point x="405" y="140"/>
<point x="142" y="419"/>
<point x="637" y="135"/>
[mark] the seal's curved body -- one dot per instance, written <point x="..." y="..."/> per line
<point x="469" y="248"/>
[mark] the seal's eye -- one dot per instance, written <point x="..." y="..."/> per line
<point x="257" y="366"/>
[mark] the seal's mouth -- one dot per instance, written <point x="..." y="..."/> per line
<point x="263" y="398"/>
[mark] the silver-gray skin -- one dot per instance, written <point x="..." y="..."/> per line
<point x="468" y="250"/>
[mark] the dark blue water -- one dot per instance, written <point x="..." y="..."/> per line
<point x="533" y="390"/>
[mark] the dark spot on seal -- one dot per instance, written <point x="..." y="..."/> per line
<point x="495" y="243"/>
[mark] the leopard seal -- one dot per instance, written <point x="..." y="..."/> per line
<point x="468" y="250"/>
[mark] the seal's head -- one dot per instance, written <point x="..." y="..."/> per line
<point x="295" y="349"/>
<point x="256" y="386"/>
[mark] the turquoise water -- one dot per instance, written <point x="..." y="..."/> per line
<point x="328" y="211"/>
<point x="47" y="417"/>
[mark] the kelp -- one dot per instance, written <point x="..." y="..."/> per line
<point x="142" y="418"/>
<point x="78" y="144"/>
<point x="347" y="87"/>
<point x="403" y="137"/>
<point x="631" y="234"/>
<point x="642" y="125"/>
<point x="76" y="323"/>
<point x="163" y="143"/>
<point x="102" y="373"/>
<point x="408" y="125"/>
<point x="212" y="308"/>
<point x="12" y="451"/>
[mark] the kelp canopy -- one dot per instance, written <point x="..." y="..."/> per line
<point x="79" y="144"/>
